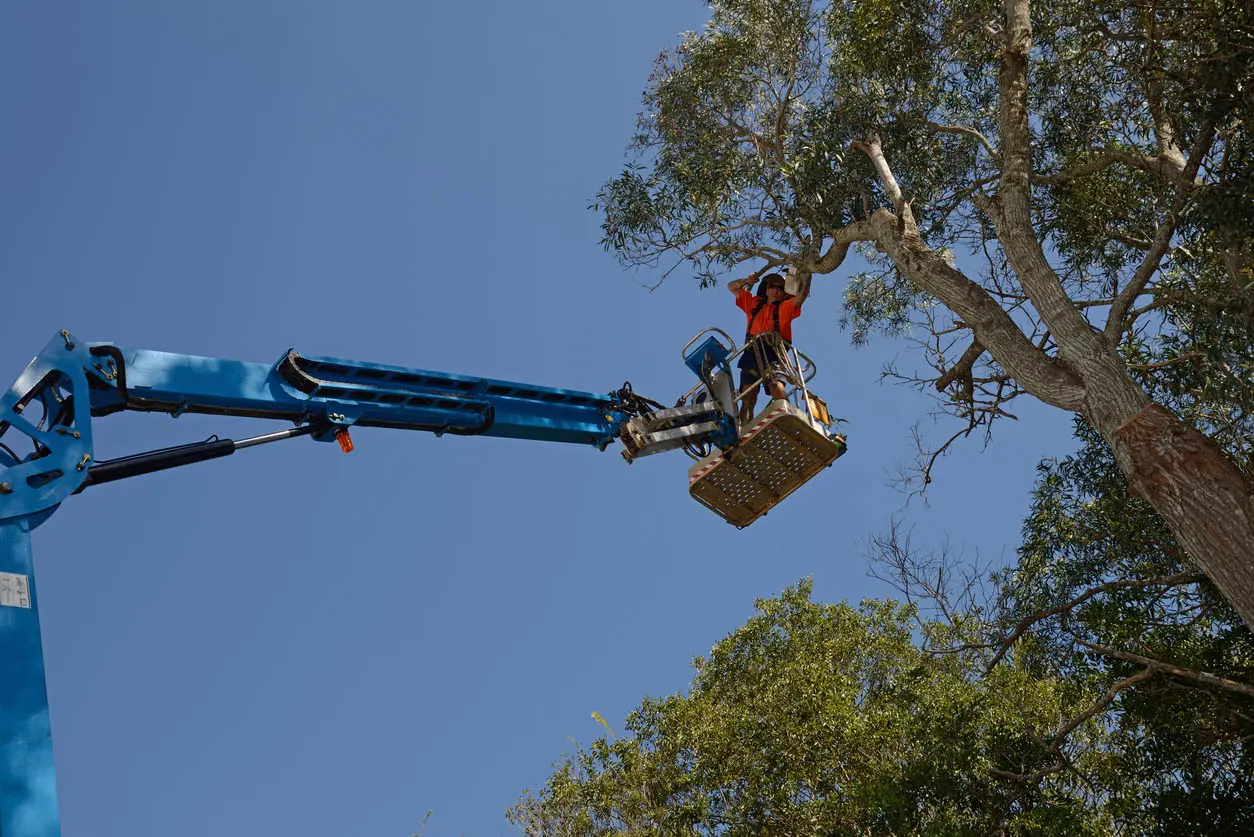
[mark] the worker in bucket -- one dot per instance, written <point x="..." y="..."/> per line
<point x="771" y="309"/>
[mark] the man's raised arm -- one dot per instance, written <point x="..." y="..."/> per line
<point x="799" y="300"/>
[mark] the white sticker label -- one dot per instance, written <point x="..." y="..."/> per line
<point x="14" y="590"/>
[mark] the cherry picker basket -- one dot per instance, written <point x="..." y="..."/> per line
<point x="778" y="451"/>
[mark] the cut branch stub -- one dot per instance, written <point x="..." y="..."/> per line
<point x="962" y="369"/>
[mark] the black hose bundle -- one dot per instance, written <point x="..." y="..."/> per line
<point x="632" y="404"/>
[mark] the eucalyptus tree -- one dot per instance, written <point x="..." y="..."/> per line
<point x="1103" y="595"/>
<point x="1103" y="598"/>
<point x="822" y="719"/>
<point x="1099" y="686"/>
<point x="1055" y="197"/>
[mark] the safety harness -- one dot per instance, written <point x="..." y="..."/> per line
<point x="753" y="318"/>
<point x="761" y="354"/>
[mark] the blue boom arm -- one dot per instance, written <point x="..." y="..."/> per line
<point x="69" y="383"/>
<point x="46" y="455"/>
<point x="344" y="393"/>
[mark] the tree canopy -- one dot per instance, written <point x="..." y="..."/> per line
<point x="1054" y="198"/>
<point x="1098" y="686"/>
<point x="809" y="719"/>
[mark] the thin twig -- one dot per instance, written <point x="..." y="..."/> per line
<point x="1028" y="621"/>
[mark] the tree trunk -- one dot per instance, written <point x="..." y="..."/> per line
<point x="1184" y="476"/>
<point x="1187" y="478"/>
<point x="1203" y="497"/>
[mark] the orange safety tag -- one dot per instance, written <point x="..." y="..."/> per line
<point x="346" y="441"/>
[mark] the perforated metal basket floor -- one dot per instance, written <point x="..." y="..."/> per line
<point x="779" y="452"/>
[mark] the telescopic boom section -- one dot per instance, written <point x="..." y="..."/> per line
<point x="344" y="393"/>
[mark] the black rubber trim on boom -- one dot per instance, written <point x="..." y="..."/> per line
<point x="291" y="372"/>
<point x="146" y="405"/>
<point x="296" y="376"/>
<point x="489" y="419"/>
<point x="119" y="379"/>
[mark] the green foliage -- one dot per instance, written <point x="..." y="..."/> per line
<point x="821" y="719"/>
<point x="1177" y="747"/>
<point x="746" y="127"/>
<point x="1103" y="687"/>
<point x="880" y="302"/>
<point x="745" y="152"/>
<point x="1200" y="362"/>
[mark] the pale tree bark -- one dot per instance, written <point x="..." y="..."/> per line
<point x="1187" y="478"/>
<point x="898" y="236"/>
<point x="1189" y="481"/>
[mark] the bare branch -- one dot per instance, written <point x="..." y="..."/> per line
<point x="781" y="120"/>
<point x="1167" y="668"/>
<point x="1011" y="212"/>
<point x="968" y="132"/>
<point x="1037" y="372"/>
<point x="1189" y="577"/>
<point x="1184" y="358"/>
<point x="1162" y="239"/>
<point x="841" y="239"/>
<point x="1168" y="151"/>
<point x="1138" y="243"/>
<point x="1107" y="157"/>
<point x="872" y="149"/>
<point x="972" y="424"/>
<point x="952" y="586"/>
<point x="1098" y="705"/>
<point x="1054" y="747"/>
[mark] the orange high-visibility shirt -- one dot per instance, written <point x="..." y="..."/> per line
<point x="789" y="310"/>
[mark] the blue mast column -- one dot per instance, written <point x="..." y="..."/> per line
<point x="28" y="790"/>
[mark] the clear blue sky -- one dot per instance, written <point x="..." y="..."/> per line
<point x="294" y="641"/>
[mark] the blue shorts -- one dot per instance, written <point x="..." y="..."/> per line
<point x="748" y="365"/>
